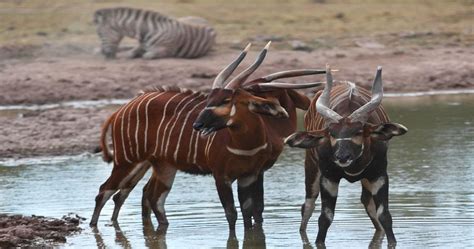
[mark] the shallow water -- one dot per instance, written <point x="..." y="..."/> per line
<point x="431" y="193"/>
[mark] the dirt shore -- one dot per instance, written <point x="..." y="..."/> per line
<point x="47" y="79"/>
<point x="18" y="231"/>
<point x="65" y="130"/>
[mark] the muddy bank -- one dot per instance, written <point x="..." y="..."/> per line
<point x="89" y="77"/>
<point x="70" y="131"/>
<point x="36" y="231"/>
<point x="59" y="131"/>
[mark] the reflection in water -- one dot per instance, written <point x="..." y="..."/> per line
<point x="431" y="175"/>
<point x="120" y="237"/>
<point x="98" y="238"/>
<point x="377" y="240"/>
<point x="154" y="239"/>
<point x="254" y="238"/>
<point x="305" y="240"/>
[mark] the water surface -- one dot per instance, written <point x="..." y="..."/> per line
<point x="431" y="193"/>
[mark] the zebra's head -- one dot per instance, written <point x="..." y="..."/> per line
<point x="234" y="103"/>
<point x="346" y="137"/>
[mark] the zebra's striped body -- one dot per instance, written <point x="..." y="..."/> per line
<point x="158" y="35"/>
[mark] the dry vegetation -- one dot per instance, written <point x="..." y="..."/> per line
<point x="333" y="23"/>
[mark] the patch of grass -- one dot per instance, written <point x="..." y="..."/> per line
<point x="333" y="23"/>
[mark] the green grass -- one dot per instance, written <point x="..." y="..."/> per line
<point x="334" y="23"/>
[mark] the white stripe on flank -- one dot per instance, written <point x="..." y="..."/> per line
<point x="176" y="114"/>
<point x="190" y="145"/>
<point x="122" y="131"/>
<point x="128" y="124"/>
<point x="115" y="123"/>
<point x="183" y="125"/>
<point x="146" y="119"/>
<point x="250" y="152"/>
<point x="210" y="144"/>
<point x="196" y="144"/>
<point x="207" y="145"/>
<point x="162" y="119"/>
<point x="138" y="123"/>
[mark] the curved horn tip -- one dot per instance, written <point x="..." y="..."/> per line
<point x="247" y="48"/>
<point x="268" y="45"/>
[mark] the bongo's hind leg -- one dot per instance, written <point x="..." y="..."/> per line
<point x="108" y="188"/>
<point x="159" y="189"/>
<point x="127" y="185"/>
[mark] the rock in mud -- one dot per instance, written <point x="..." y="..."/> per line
<point x="36" y="231"/>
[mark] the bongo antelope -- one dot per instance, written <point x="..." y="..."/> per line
<point x="238" y="133"/>
<point x="347" y="137"/>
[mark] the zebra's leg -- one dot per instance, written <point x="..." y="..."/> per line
<point x="245" y="191"/>
<point x="110" y="40"/>
<point x="158" y="52"/>
<point x="109" y="187"/>
<point x="135" y="52"/>
<point x="127" y="185"/>
<point x="312" y="186"/>
<point x="329" y="189"/>
<point x="159" y="189"/>
<point x="224" y="189"/>
<point x="379" y="191"/>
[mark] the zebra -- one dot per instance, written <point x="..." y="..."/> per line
<point x="159" y="36"/>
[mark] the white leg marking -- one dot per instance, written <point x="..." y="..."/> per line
<point x="329" y="214"/>
<point x="377" y="185"/>
<point x="247" y="203"/>
<point x="163" y="115"/>
<point x="166" y="176"/>
<point x="182" y="126"/>
<point x="246" y="181"/>
<point x="160" y="204"/>
<point x="330" y="187"/>
<point x="379" y="210"/>
<point x="135" y="170"/>
<point x="146" y="120"/>
<point x="371" y="209"/>
<point x="309" y="205"/>
<point x="164" y="149"/>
